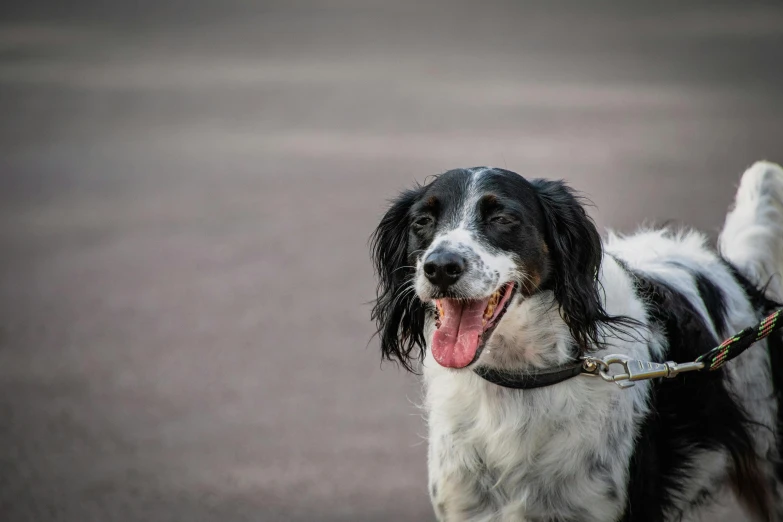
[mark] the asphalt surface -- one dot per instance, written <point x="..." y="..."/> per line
<point x="186" y="194"/>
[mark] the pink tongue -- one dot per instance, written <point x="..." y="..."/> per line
<point x="455" y="343"/>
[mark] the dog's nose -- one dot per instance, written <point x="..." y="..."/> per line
<point x="443" y="268"/>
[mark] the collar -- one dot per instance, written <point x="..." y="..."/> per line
<point x="527" y="380"/>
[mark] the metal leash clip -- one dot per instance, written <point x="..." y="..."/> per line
<point x="634" y="370"/>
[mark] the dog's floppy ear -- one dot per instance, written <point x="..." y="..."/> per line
<point x="575" y="253"/>
<point x="398" y="312"/>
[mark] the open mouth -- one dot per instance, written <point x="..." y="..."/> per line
<point x="465" y="324"/>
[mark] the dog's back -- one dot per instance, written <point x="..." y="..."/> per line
<point x="701" y="431"/>
<point x="699" y="298"/>
<point x="704" y="425"/>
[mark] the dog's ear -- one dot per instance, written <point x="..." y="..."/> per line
<point x="575" y="254"/>
<point x="398" y="312"/>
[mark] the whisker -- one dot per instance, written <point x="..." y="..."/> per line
<point x="402" y="267"/>
<point x="406" y="290"/>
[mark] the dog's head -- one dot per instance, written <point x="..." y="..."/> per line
<point x="470" y="246"/>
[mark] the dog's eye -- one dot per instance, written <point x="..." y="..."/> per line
<point x="423" y="221"/>
<point x="500" y="220"/>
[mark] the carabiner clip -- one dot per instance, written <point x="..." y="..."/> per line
<point x="634" y="370"/>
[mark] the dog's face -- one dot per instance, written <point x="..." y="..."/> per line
<point x="473" y="244"/>
<point x="476" y="238"/>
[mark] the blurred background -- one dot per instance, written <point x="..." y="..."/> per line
<point x="187" y="190"/>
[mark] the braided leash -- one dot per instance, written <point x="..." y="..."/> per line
<point x="634" y="370"/>
<point x="732" y="347"/>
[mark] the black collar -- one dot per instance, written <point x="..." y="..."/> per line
<point x="527" y="380"/>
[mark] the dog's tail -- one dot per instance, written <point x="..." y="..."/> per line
<point x="752" y="237"/>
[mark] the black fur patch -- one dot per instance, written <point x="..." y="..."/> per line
<point x="765" y="306"/>
<point x="713" y="299"/>
<point x="690" y="414"/>
<point x="775" y="346"/>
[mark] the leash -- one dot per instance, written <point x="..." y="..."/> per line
<point x="634" y="370"/>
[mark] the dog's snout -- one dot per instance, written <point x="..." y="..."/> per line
<point x="443" y="268"/>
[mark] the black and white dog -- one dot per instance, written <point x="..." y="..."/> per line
<point x="483" y="271"/>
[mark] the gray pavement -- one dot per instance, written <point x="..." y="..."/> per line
<point x="186" y="192"/>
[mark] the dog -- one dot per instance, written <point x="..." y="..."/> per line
<point x="486" y="277"/>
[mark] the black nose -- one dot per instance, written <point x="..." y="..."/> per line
<point x="443" y="268"/>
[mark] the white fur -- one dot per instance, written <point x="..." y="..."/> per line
<point x="752" y="237"/>
<point x="507" y="455"/>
